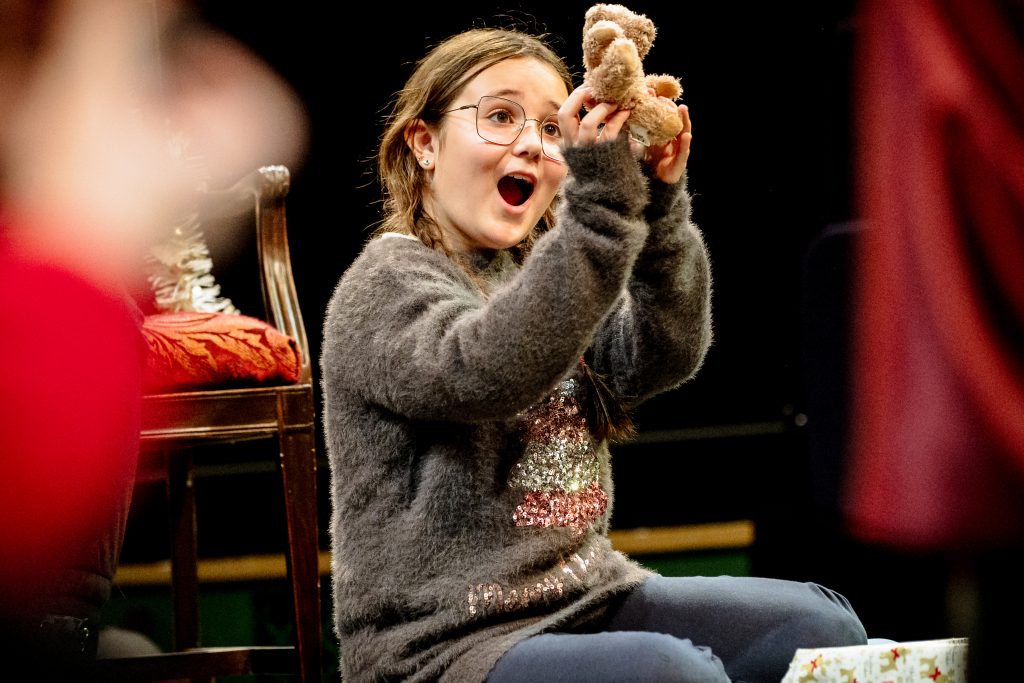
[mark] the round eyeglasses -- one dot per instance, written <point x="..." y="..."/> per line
<point x="500" y="121"/>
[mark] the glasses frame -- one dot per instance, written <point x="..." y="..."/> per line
<point x="476" y="125"/>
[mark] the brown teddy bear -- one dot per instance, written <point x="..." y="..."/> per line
<point x="615" y="41"/>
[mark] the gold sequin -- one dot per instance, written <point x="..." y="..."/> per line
<point x="486" y="598"/>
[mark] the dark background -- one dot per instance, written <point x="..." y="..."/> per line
<point x="759" y="433"/>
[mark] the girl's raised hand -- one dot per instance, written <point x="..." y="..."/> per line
<point x="601" y="123"/>
<point x="606" y="121"/>
<point x="668" y="161"/>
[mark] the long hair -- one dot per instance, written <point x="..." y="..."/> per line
<point x="435" y="83"/>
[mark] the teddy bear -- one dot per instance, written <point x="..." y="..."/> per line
<point x="615" y="41"/>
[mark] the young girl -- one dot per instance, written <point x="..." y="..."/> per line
<point x="535" y="276"/>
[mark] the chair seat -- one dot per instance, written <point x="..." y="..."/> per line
<point x="191" y="351"/>
<point x="226" y="414"/>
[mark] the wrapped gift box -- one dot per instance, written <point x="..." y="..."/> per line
<point x="924" y="661"/>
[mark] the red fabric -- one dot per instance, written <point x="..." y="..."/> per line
<point x="938" y="437"/>
<point x="203" y="350"/>
<point x="70" y="394"/>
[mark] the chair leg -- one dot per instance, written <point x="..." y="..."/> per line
<point x="184" y="574"/>
<point x="298" y="474"/>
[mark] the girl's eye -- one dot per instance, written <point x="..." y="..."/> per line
<point x="501" y="116"/>
<point x="551" y="129"/>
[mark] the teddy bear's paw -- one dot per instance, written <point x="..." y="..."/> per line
<point x="619" y="78"/>
<point x="604" y="32"/>
<point x="655" y="122"/>
<point x="622" y="51"/>
<point x="596" y="41"/>
<point x="665" y="85"/>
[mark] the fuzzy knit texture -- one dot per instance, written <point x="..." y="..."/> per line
<point x="437" y="571"/>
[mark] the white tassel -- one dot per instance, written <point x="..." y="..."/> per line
<point x="179" y="268"/>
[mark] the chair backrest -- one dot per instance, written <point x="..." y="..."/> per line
<point x="269" y="187"/>
<point x="176" y="421"/>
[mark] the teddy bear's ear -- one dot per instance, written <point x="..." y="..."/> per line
<point x="640" y="30"/>
<point x="594" y="14"/>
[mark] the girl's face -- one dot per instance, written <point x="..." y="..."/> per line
<point x="485" y="195"/>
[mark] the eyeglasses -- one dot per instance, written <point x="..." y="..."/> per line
<point x="500" y="121"/>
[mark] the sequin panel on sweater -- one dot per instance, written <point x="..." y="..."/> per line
<point x="559" y="471"/>
<point x="489" y="598"/>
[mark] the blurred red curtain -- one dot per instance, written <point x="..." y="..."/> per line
<point x="937" y="451"/>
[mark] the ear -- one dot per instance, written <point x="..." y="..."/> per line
<point x="420" y="138"/>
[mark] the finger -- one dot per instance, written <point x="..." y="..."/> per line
<point x="684" y="114"/>
<point x="569" y="113"/>
<point x="596" y="119"/>
<point x="614" y="125"/>
<point x="570" y="109"/>
<point x="683" y="140"/>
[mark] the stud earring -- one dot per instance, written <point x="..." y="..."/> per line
<point x="425" y="162"/>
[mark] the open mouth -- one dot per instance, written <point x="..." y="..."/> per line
<point x="515" y="189"/>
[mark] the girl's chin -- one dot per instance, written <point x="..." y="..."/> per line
<point x="506" y="238"/>
<point x="511" y="240"/>
<point x="498" y="234"/>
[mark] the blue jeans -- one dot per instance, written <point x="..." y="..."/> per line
<point x="691" y="630"/>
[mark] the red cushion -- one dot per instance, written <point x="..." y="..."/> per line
<point x="189" y="351"/>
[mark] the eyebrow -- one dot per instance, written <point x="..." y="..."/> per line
<point x="510" y="94"/>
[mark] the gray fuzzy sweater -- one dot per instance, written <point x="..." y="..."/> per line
<point x="470" y="500"/>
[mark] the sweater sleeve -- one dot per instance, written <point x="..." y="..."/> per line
<point x="660" y="329"/>
<point x="408" y="331"/>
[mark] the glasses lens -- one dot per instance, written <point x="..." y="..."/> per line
<point x="500" y="121"/>
<point x="551" y="139"/>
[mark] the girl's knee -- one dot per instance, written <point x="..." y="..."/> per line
<point x="833" y="622"/>
<point x="667" y="659"/>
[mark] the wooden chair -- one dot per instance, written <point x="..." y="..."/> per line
<point x="174" y="424"/>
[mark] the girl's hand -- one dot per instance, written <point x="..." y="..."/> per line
<point x="668" y="161"/>
<point x="601" y="123"/>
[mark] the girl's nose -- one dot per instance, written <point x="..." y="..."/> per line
<point x="530" y="138"/>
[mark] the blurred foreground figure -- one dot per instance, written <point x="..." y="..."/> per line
<point x="938" y="438"/>
<point x="91" y="94"/>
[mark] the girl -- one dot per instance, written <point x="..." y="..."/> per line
<point x="535" y="276"/>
